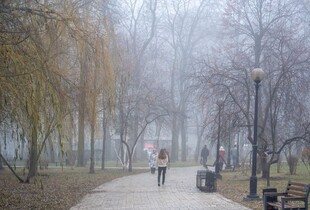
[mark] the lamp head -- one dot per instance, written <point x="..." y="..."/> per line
<point x="257" y="75"/>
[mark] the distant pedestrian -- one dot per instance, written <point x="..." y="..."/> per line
<point x="162" y="161"/>
<point x="204" y="156"/>
<point x="234" y="156"/>
<point x="152" y="161"/>
<point x="222" y="158"/>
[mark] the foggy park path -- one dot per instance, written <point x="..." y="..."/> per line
<point x="141" y="192"/>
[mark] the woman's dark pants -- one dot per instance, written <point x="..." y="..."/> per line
<point x="161" y="170"/>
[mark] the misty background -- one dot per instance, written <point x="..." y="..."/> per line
<point x="88" y="81"/>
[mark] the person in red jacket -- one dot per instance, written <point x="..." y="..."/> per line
<point x="222" y="157"/>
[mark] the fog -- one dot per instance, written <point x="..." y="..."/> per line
<point x="86" y="82"/>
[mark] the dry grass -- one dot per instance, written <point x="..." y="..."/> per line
<point x="62" y="189"/>
<point x="54" y="188"/>
<point x="235" y="185"/>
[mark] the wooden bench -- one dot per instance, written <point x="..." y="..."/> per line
<point x="295" y="197"/>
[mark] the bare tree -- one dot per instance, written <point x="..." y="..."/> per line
<point x="140" y="27"/>
<point x="183" y="23"/>
<point x="268" y="43"/>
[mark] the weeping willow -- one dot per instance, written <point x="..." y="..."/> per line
<point x="40" y="44"/>
<point x="100" y="82"/>
<point x="32" y="82"/>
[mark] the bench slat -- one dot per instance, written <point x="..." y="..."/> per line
<point x="296" y="188"/>
<point x="279" y="205"/>
<point x="297" y="183"/>
<point x="298" y="194"/>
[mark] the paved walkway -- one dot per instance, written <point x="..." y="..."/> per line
<point x="141" y="192"/>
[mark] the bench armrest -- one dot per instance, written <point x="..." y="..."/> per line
<point x="293" y="199"/>
<point x="274" y="194"/>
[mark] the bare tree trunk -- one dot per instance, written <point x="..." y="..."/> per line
<point x="1" y="165"/>
<point x="130" y="156"/>
<point x="268" y="175"/>
<point x="51" y="149"/>
<point x="92" y="149"/>
<point x="92" y="132"/>
<point x="279" y="164"/>
<point x="199" y="140"/>
<point x="33" y="159"/>
<point x="82" y="105"/>
<point x="104" y="140"/>
<point x="184" y="138"/>
<point x="80" y="162"/>
<point x="135" y="131"/>
<point x="158" y="130"/>
<point x="175" y="139"/>
<point x="264" y="165"/>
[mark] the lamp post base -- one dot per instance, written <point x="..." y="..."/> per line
<point x="253" y="189"/>
<point x="252" y="198"/>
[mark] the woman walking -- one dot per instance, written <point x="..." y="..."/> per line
<point x="162" y="161"/>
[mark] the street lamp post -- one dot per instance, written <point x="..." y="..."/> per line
<point x="257" y="76"/>
<point x="228" y="166"/>
<point x="238" y="142"/>
<point x="217" y="165"/>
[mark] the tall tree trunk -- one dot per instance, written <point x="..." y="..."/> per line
<point x="82" y="104"/>
<point x="199" y="140"/>
<point x="33" y="159"/>
<point x="135" y="133"/>
<point x="268" y="175"/>
<point x="92" y="148"/>
<point x="197" y="149"/>
<point x="51" y="149"/>
<point x="264" y="165"/>
<point x="104" y="140"/>
<point x="279" y="164"/>
<point x="70" y="156"/>
<point x="93" y="120"/>
<point x="184" y="138"/>
<point x="175" y="139"/>
<point x="1" y="165"/>
<point x="80" y="162"/>
<point x="158" y="130"/>
<point x="92" y="126"/>
<point x="130" y="156"/>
